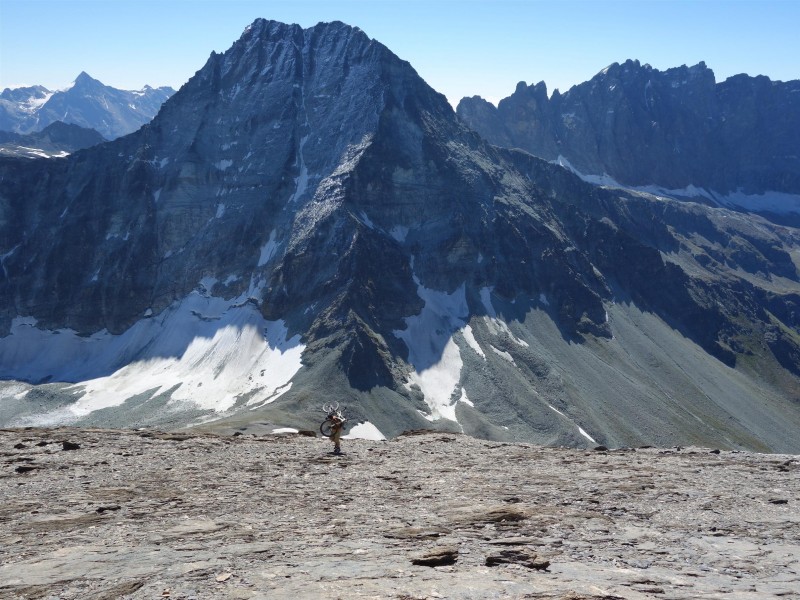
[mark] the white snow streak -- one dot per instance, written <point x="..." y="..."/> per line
<point x="473" y="343"/>
<point x="268" y="250"/>
<point x="366" y="220"/>
<point x="502" y="354"/>
<point x="586" y="435"/>
<point x="775" y="202"/>
<point x="580" y="429"/>
<point x="301" y="181"/>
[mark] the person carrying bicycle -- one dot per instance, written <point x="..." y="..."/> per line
<point x="337" y="426"/>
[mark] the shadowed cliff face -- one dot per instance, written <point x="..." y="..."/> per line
<point x="644" y="127"/>
<point x="307" y="219"/>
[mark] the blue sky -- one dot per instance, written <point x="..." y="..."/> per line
<point x="460" y="47"/>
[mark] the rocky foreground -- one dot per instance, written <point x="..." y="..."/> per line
<point x="139" y="514"/>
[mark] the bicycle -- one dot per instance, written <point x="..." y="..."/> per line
<point x="332" y="411"/>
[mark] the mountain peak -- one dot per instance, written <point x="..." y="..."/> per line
<point x="307" y="195"/>
<point x="84" y="79"/>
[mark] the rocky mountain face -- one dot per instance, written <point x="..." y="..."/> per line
<point x="307" y="221"/>
<point x="673" y="129"/>
<point x="56" y="140"/>
<point x="87" y="103"/>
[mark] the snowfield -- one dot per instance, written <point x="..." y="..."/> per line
<point x="206" y="351"/>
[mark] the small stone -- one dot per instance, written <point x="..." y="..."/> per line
<point x="25" y="468"/>
<point x="437" y="557"/>
<point x="112" y="507"/>
<point x="517" y="557"/>
<point x="778" y="501"/>
<point x="67" y="445"/>
<point x="601" y="448"/>
<point x="20" y="446"/>
<point x="223" y="577"/>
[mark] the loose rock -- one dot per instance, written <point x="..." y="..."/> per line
<point x="437" y="557"/>
<point x="519" y="557"/>
<point x="135" y="514"/>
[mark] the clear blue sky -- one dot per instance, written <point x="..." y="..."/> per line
<point x="460" y="47"/>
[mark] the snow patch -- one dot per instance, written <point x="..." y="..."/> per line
<point x="543" y="299"/>
<point x="207" y="284"/>
<point x="285" y="430"/>
<point x="301" y="181"/>
<point x="486" y="300"/>
<point x="774" y="202"/>
<point x="586" y="435"/>
<point x="220" y="210"/>
<point x="469" y="336"/>
<point x="33" y="104"/>
<point x="366" y="220"/>
<point x="431" y="349"/>
<point x="496" y="325"/>
<point x="204" y="351"/>
<point x="464" y="398"/>
<point x="268" y="250"/>
<point x="364" y="431"/>
<point x="399" y="232"/>
<point x="502" y="354"/>
<point x="223" y="164"/>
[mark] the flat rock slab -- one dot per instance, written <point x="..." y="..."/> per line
<point x="437" y="557"/>
<point x="183" y="515"/>
<point x="525" y="558"/>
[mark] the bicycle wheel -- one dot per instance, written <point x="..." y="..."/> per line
<point x="326" y="428"/>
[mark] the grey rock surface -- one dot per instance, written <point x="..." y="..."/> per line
<point x="672" y="128"/>
<point x="146" y="514"/>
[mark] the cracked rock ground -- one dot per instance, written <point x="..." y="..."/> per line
<point x="89" y="514"/>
